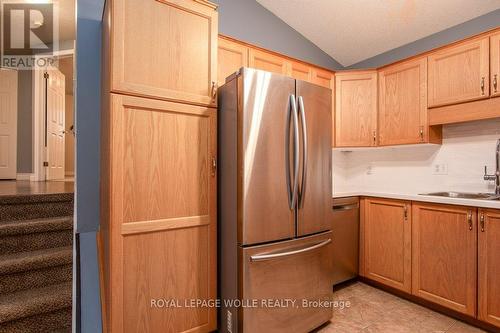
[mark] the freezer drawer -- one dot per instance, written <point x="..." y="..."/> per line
<point x="297" y="270"/>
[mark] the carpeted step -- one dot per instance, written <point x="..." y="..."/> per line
<point x="54" y="322"/>
<point x="24" y="261"/>
<point x="31" y="235"/>
<point x="35" y="206"/>
<point x="34" y="302"/>
<point x="37" y="278"/>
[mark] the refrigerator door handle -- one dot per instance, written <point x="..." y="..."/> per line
<point x="270" y="256"/>
<point x="304" y="155"/>
<point x="292" y="193"/>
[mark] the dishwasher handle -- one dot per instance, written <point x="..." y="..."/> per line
<point x="346" y="207"/>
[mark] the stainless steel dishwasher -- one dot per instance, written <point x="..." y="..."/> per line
<point x="345" y="231"/>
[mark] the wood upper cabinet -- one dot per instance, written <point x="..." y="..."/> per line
<point x="161" y="218"/>
<point x="323" y="78"/>
<point x="231" y="57"/>
<point x="268" y="62"/>
<point x="165" y="49"/>
<point x="459" y="73"/>
<point x="356" y="109"/>
<point x="489" y="266"/>
<point x="444" y="250"/>
<point x="386" y="242"/>
<point x="300" y="71"/>
<point x="402" y="113"/>
<point x="495" y="64"/>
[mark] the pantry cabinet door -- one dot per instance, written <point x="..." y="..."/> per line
<point x="444" y="249"/>
<point x="165" y="49"/>
<point x="489" y="266"/>
<point x="459" y="73"/>
<point x="356" y="109"/>
<point x="495" y="64"/>
<point x="162" y="215"/>
<point x="387" y="242"/>
<point x="402" y="115"/>
<point x="231" y="57"/>
<point x="267" y="62"/>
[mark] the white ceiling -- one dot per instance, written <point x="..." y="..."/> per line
<point x="353" y="30"/>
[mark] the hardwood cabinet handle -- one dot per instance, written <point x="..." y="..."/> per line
<point x="214" y="166"/>
<point x="481" y="219"/>
<point x="421" y="133"/>
<point x="214" y="90"/>
<point x="482" y="85"/>
<point x="495" y="82"/>
<point x="469" y="219"/>
<point x="374" y="138"/>
<point x="406" y="213"/>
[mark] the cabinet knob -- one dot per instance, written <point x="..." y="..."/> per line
<point x="482" y="85"/>
<point x="481" y="220"/>
<point x="469" y="219"/>
<point x="495" y="83"/>
<point x="214" y="90"/>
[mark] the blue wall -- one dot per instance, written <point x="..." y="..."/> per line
<point x="249" y="21"/>
<point x="453" y="34"/>
<point x="87" y="123"/>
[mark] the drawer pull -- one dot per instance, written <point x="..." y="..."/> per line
<point x="264" y="257"/>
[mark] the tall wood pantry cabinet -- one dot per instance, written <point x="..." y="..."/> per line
<point x="158" y="176"/>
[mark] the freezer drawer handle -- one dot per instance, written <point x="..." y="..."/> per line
<point x="264" y="257"/>
<point x="346" y="207"/>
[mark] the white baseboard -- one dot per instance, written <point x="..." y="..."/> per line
<point x="25" y="176"/>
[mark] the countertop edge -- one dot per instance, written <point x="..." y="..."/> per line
<point x="493" y="204"/>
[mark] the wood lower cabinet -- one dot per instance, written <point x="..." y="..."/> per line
<point x="459" y="73"/>
<point x="495" y="64"/>
<point x="489" y="266"/>
<point x="268" y="62"/>
<point x="444" y="253"/>
<point x="231" y="57"/>
<point x="158" y="214"/>
<point x="386" y="242"/>
<point x="163" y="49"/>
<point x="402" y="113"/>
<point x="356" y="109"/>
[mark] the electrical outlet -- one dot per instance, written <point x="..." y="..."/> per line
<point x="440" y="169"/>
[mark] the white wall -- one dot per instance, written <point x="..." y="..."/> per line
<point x="466" y="149"/>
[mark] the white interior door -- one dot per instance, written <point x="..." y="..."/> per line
<point x="55" y="124"/>
<point x="8" y="124"/>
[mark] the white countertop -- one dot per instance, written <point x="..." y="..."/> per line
<point x="495" y="204"/>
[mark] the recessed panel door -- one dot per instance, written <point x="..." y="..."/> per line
<point x="8" y="124"/>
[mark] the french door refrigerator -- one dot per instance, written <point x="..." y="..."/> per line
<point x="275" y="187"/>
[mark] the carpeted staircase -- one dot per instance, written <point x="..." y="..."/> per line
<point x="36" y="235"/>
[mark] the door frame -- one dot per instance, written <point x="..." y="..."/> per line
<point x="39" y="149"/>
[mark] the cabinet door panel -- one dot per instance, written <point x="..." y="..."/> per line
<point x="163" y="236"/>
<point x="164" y="49"/>
<point x="387" y="242"/>
<point x="356" y="109"/>
<point x="327" y="80"/>
<point x="495" y="64"/>
<point x="299" y="71"/>
<point x="231" y="57"/>
<point x="489" y="266"/>
<point x="459" y="73"/>
<point x="267" y="62"/>
<point x="403" y="103"/>
<point x="444" y="249"/>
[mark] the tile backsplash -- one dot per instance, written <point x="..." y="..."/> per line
<point x="456" y="165"/>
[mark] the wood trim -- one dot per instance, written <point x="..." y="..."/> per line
<point x="253" y="46"/>
<point x="164" y="224"/>
<point x="495" y="62"/>
<point x="362" y="227"/>
<point x="457" y="113"/>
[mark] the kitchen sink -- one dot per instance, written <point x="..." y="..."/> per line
<point x="465" y="195"/>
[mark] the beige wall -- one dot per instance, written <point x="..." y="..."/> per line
<point x="70" y="139"/>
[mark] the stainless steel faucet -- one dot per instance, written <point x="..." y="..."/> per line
<point x="496" y="176"/>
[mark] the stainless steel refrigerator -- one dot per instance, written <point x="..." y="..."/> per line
<point x="275" y="189"/>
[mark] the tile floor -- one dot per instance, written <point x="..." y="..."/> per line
<point x="373" y="310"/>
